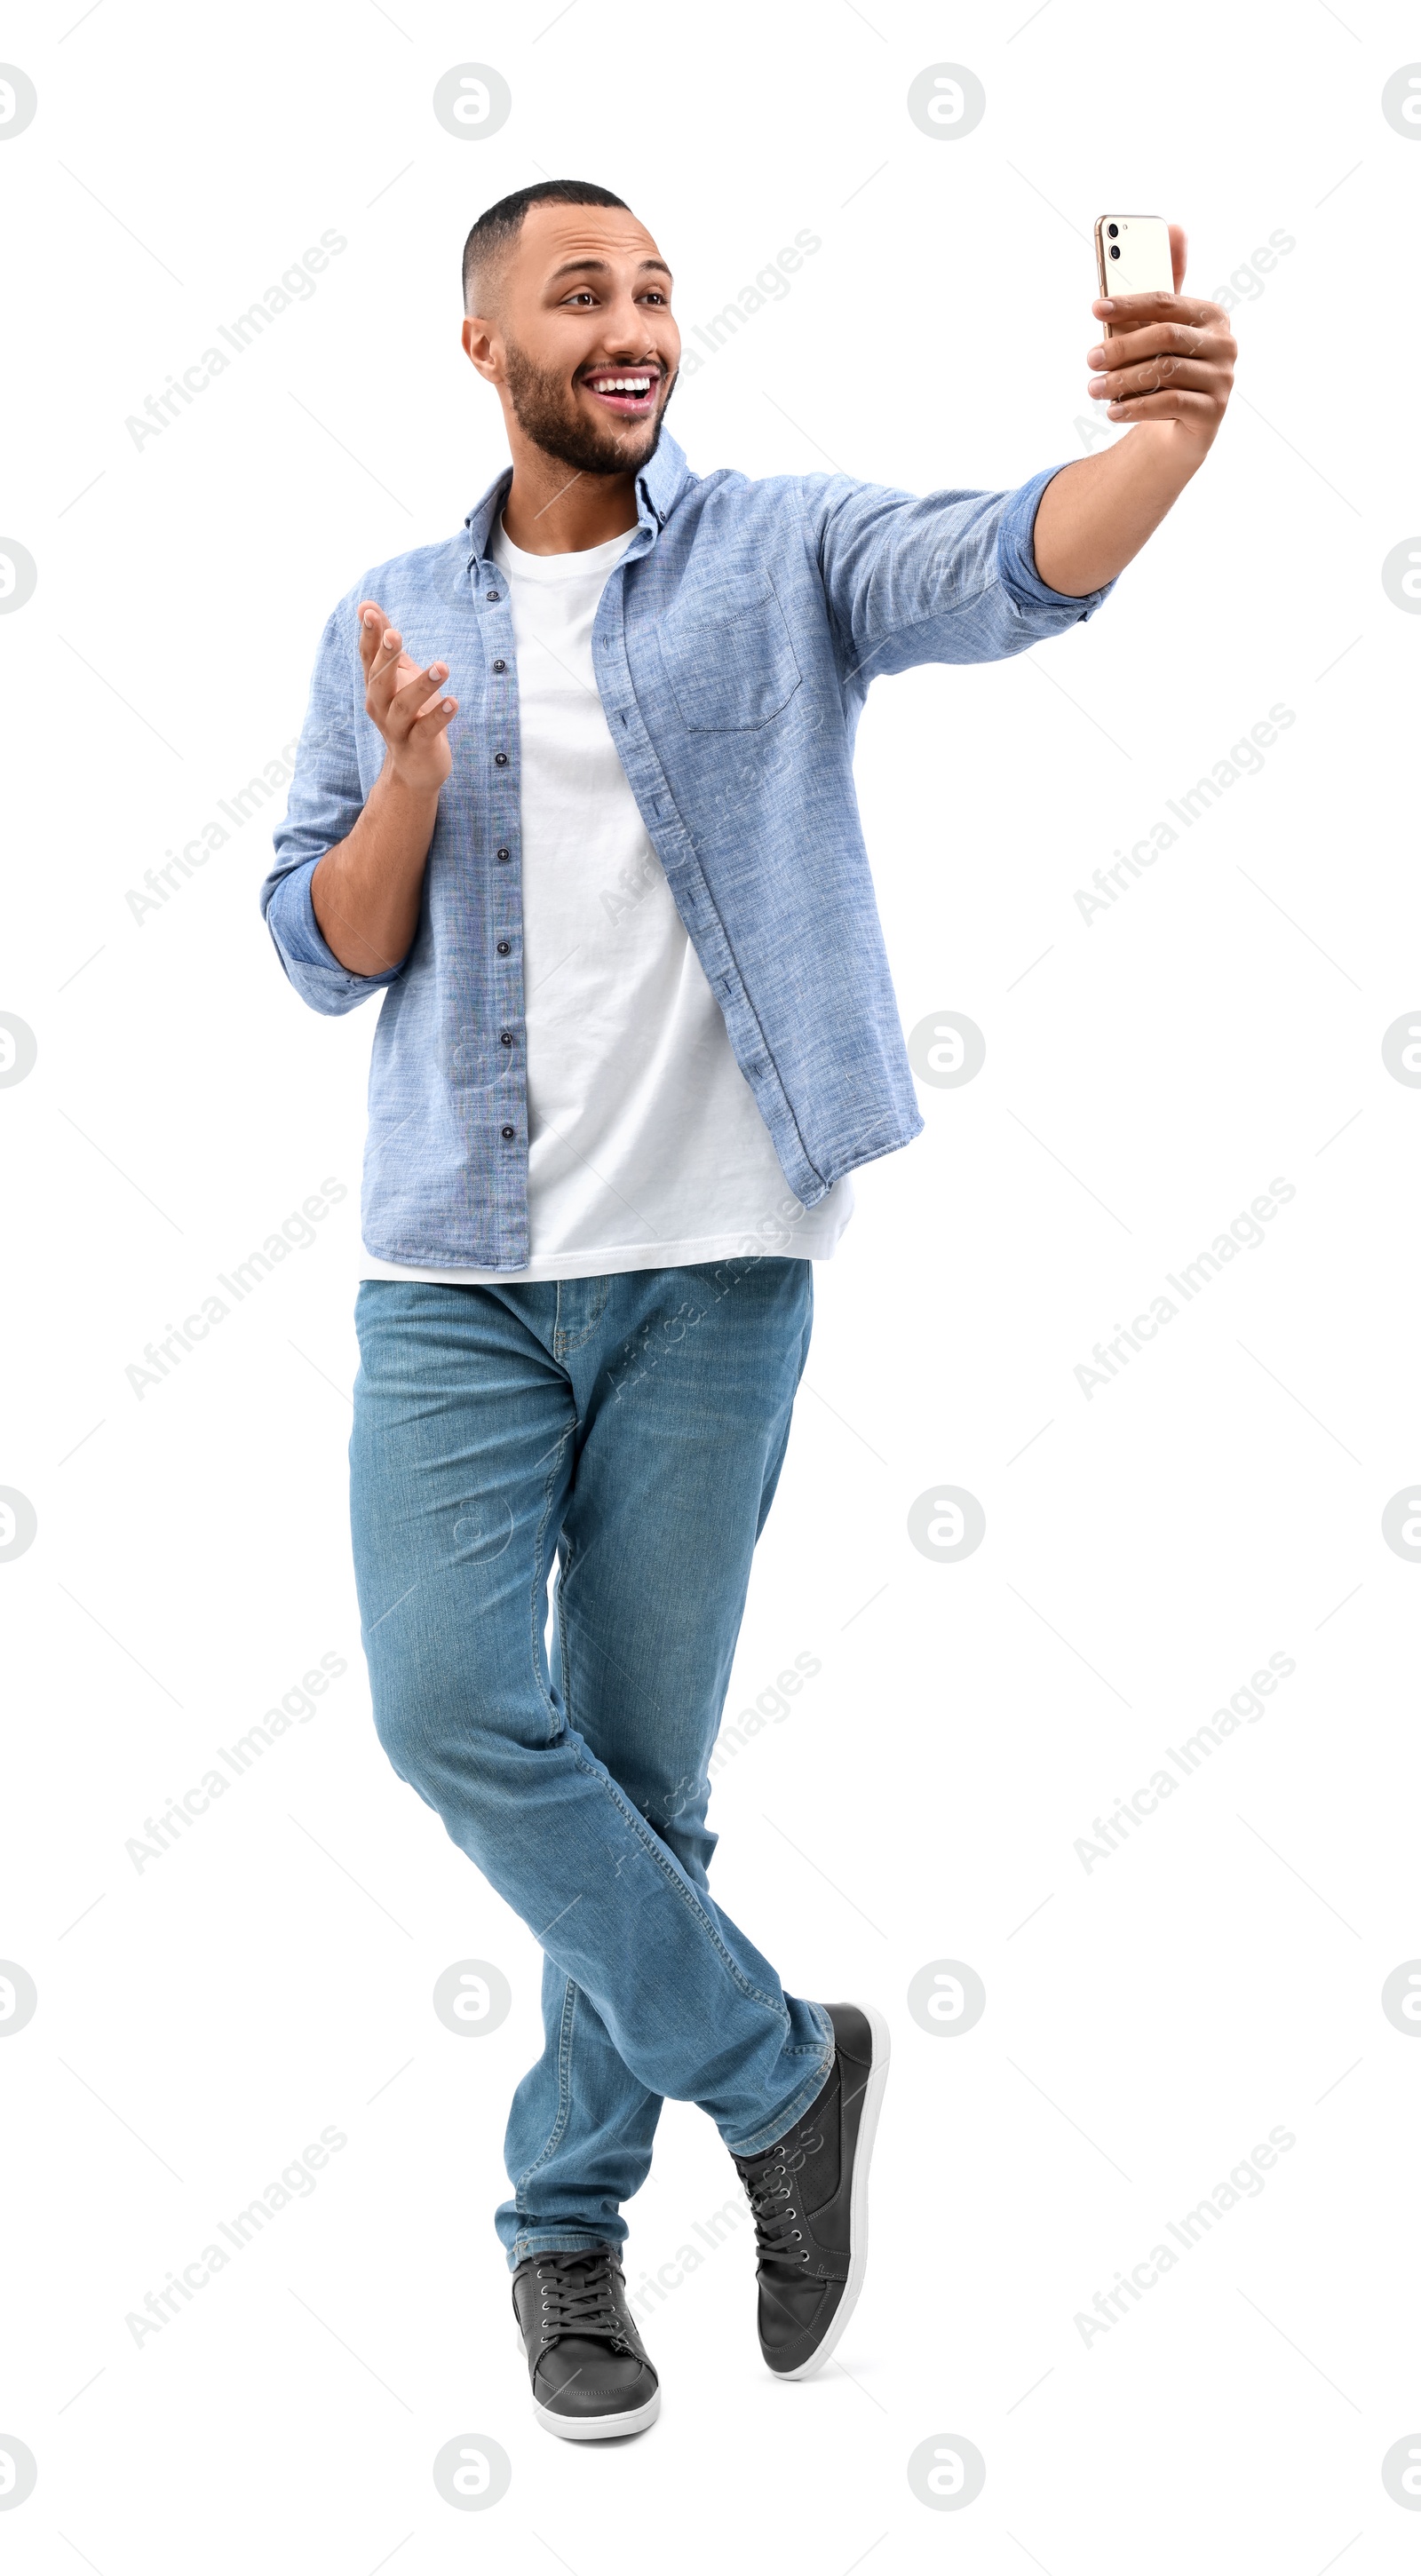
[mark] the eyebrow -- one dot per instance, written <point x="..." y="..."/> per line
<point x="602" y="268"/>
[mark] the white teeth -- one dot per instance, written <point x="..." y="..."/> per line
<point x="622" y="385"/>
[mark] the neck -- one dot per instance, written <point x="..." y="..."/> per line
<point x="555" y="509"/>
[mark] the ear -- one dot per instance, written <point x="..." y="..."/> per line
<point x="481" y="345"/>
<point x="1179" y="253"/>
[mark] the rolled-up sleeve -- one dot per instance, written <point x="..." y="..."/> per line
<point x="325" y="804"/>
<point x="948" y="577"/>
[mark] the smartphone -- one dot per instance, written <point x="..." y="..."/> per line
<point x="1133" y="258"/>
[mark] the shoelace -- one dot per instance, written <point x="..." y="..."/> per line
<point x="773" y="2205"/>
<point x="576" y="2297"/>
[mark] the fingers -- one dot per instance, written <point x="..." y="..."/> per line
<point x="398" y="695"/>
<point x="1166" y="358"/>
<point x="381" y="649"/>
<point x="398" y="711"/>
<point x="1164" y="340"/>
<point x="1127" y="312"/>
<point x="1195" y="410"/>
<point x="419" y="696"/>
<point x="371" y="621"/>
<point x="433" y="718"/>
<point x="1144" y="365"/>
<point x="1156" y="375"/>
<point x="381" y="654"/>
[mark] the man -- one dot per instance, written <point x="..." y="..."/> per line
<point x="638" y="1030"/>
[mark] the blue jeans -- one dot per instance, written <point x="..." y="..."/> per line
<point x="633" y="1426"/>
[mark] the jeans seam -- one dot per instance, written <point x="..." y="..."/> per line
<point x="644" y="1834"/>
<point x="564" y="2109"/>
<point x="584" y="2235"/>
<point x="566" y="1344"/>
<point x="540" y="1587"/>
<point x="564" y="1640"/>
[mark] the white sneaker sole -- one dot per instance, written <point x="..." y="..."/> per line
<point x="591" y="2428"/>
<point x="858" y="2196"/>
<point x="599" y="2428"/>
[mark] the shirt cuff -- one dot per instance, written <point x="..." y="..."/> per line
<point x="291" y="919"/>
<point x="1016" y="557"/>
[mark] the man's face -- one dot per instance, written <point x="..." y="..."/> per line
<point x="583" y="350"/>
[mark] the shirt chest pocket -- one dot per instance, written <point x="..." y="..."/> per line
<point x="730" y="667"/>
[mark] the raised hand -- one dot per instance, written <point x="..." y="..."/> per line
<point x="365" y="892"/>
<point x="404" y="702"/>
<point x="1170" y="368"/>
<point x="1170" y="358"/>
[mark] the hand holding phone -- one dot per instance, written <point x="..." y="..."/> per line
<point x="1169" y="355"/>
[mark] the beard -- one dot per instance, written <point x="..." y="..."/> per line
<point x="543" y="406"/>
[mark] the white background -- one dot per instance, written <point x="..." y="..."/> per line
<point x="1147" y="1074"/>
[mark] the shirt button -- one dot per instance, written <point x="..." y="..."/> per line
<point x="503" y="947"/>
<point x="505" y="854"/>
<point x="493" y="595"/>
<point x="500" y="760"/>
<point x="500" y="666"/>
<point x="505" y="1037"/>
<point x="507" y="1133"/>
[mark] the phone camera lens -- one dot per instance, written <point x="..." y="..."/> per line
<point x="1112" y="230"/>
<point x="1115" y="250"/>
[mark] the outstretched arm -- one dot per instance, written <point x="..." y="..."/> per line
<point x="1171" y="370"/>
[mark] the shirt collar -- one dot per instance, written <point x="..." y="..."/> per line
<point x="658" y="485"/>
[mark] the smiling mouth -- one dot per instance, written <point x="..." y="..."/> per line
<point x="630" y="391"/>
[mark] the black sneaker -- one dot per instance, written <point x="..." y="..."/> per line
<point x="590" y="2374"/>
<point x="809" y="2195"/>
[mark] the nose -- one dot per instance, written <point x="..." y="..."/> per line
<point x="626" y="330"/>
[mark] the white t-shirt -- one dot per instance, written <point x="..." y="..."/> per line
<point x="645" y="1146"/>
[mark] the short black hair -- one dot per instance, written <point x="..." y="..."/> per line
<point x="498" y="227"/>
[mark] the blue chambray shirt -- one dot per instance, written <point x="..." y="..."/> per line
<point x="733" y="647"/>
